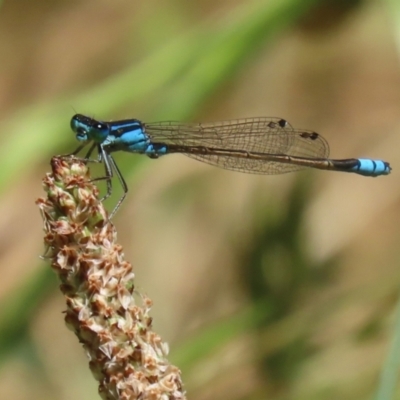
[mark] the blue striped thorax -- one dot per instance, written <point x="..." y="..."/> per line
<point x="127" y="135"/>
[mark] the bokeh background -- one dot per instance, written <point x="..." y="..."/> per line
<point x="265" y="287"/>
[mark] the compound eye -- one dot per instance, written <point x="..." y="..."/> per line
<point x="100" y="127"/>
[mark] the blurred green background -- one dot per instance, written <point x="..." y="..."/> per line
<point x="265" y="287"/>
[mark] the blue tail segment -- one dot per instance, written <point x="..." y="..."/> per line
<point x="362" y="166"/>
<point x="369" y="167"/>
<point x="253" y="145"/>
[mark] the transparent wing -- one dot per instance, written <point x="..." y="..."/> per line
<point x="256" y="135"/>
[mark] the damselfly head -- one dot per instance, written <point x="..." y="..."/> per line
<point x="87" y="128"/>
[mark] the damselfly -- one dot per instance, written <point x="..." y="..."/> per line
<point x="253" y="145"/>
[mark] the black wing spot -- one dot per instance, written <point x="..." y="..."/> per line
<point x="282" y="123"/>
<point x="309" y="135"/>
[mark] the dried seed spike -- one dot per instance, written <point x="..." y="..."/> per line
<point x="126" y="356"/>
